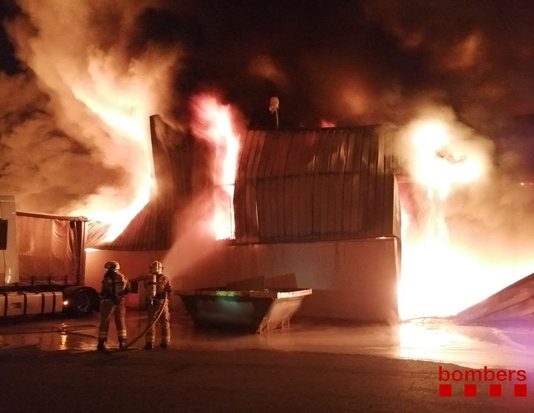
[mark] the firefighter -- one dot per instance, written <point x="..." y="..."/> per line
<point x="158" y="288"/>
<point x="115" y="287"/>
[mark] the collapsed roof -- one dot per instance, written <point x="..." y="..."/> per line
<point x="514" y="302"/>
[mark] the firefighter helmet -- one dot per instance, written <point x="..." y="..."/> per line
<point x="112" y="266"/>
<point x="156" y="267"/>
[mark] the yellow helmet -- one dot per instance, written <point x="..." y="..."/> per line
<point x="112" y="266"/>
<point x="156" y="267"/>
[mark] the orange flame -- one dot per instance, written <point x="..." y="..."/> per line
<point x="123" y="103"/>
<point x="100" y="92"/>
<point x="214" y="122"/>
<point x="441" y="277"/>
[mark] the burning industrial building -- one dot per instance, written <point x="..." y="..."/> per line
<point x="110" y="113"/>
<point x="319" y="204"/>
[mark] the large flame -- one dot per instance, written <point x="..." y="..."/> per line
<point x="441" y="276"/>
<point x="123" y="104"/>
<point x="215" y="123"/>
<point x="102" y="93"/>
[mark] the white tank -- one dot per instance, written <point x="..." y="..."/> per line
<point x="34" y="303"/>
<point x="15" y="304"/>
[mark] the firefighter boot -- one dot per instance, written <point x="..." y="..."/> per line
<point x="164" y="345"/>
<point x="122" y="343"/>
<point x="101" y="346"/>
<point x="149" y="346"/>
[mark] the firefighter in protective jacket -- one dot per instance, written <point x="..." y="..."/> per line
<point x="115" y="287"/>
<point x="158" y="289"/>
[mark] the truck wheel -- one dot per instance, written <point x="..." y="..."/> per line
<point x="82" y="301"/>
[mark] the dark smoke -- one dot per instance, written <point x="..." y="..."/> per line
<point x="346" y="62"/>
<point x="75" y="118"/>
<point x="361" y="61"/>
<point x="47" y="169"/>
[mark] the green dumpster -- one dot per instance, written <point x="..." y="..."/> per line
<point x="258" y="311"/>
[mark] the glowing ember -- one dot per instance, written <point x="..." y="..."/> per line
<point x="442" y="276"/>
<point x="327" y="124"/>
<point x="213" y="122"/>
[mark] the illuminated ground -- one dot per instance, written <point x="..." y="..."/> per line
<point x="309" y="367"/>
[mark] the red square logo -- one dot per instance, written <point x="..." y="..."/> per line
<point x="445" y="390"/>
<point x="470" y="390"/>
<point x="520" y="390"/>
<point x="495" y="390"/>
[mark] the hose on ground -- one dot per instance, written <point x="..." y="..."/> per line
<point x="127" y="345"/>
<point x="149" y="326"/>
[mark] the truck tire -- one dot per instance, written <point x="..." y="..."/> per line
<point x="82" y="300"/>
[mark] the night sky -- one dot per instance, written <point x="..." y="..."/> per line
<point x="8" y="61"/>
<point x="345" y="62"/>
<point x="354" y="62"/>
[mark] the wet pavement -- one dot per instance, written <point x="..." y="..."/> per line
<point x="310" y="366"/>
<point x="438" y="340"/>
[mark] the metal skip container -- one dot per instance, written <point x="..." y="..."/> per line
<point x="258" y="311"/>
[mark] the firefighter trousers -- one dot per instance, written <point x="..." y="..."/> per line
<point x="107" y="309"/>
<point x="164" y="321"/>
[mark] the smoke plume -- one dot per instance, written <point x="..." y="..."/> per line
<point x="97" y="69"/>
<point x="76" y="127"/>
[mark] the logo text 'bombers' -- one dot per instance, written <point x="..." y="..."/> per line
<point x="489" y="380"/>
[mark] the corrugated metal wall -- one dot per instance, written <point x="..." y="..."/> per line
<point x="334" y="183"/>
<point x="152" y="228"/>
<point x="298" y="185"/>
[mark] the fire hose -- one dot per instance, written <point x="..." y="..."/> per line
<point x="149" y="326"/>
<point x="127" y="345"/>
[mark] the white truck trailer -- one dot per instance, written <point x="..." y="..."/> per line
<point x="42" y="263"/>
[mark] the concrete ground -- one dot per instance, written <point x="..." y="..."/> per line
<point x="50" y="365"/>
